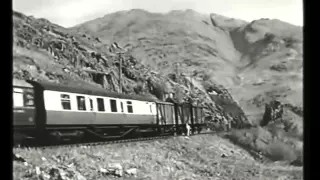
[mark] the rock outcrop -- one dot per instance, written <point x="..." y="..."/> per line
<point x="273" y="112"/>
<point x="288" y="117"/>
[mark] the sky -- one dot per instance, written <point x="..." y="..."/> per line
<point x="68" y="13"/>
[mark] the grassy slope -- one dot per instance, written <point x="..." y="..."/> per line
<point x="178" y="158"/>
<point x="260" y="82"/>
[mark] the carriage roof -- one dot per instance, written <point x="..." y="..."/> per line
<point x="21" y="83"/>
<point x="87" y="90"/>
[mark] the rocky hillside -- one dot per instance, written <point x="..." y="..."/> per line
<point x="256" y="61"/>
<point x="44" y="51"/>
<point x="198" y="157"/>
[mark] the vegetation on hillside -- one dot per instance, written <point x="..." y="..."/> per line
<point x="197" y="157"/>
<point x="278" y="137"/>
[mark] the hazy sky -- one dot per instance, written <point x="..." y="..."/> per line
<point x="68" y="13"/>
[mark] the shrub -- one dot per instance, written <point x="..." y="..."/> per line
<point x="157" y="88"/>
<point x="276" y="130"/>
<point x="138" y="89"/>
<point x="279" y="151"/>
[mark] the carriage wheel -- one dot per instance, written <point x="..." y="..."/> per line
<point x="162" y="130"/>
<point x="199" y="130"/>
<point x="181" y="130"/>
<point x="192" y="131"/>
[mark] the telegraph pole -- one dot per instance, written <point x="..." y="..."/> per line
<point x="120" y="72"/>
<point x="119" y="51"/>
<point x="192" y="75"/>
<point x="177" y="71"/>
<point x="191" y="82"/>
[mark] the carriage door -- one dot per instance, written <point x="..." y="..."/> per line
<point x="92" y="103"/>
<point x="160" y="114"/>
<point x="23" y="106"/>
<point x="122" y="109"/>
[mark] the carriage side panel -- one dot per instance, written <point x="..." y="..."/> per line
<point x="165" y="114"/>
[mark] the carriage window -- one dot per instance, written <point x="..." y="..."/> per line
<point x="121" y="104"/>
<point x="81" y="103"/>
<point x="65" y="101"/>
<point x="100" y="104"/>
<point x="113" y="104"/>
<point x="28" y="99"/>
<point x="129" y="106"/>
<point x="17" y="99"/>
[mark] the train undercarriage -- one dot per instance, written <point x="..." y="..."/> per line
<point x="65" y="134"/>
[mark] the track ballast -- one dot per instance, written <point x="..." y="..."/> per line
<point x="96" y="143"/>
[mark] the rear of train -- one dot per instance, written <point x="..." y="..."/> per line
<point x="173" y="117"/>
<point x="24" y="111"/>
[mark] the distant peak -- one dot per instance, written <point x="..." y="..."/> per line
<point x="137" y="11"/>
<point x="187" y="12"/>
<point x="190" y="10"/>
<point x="19" y="14"/>
<point x="271" y="21"/>
<point x="183" y="11"/>
<point x="214" y="15"/>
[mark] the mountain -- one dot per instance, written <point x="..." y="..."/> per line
<point x="256" y="61"/>
<point x="43" y="51"/>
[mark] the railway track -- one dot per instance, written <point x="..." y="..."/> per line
<point x="97" y="143"/>
<point x="120" y="141"/>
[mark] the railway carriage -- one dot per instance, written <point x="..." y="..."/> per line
<point x="45" y="110"/>
<point x="24" y="110"/>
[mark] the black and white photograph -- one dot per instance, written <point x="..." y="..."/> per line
<point x="157" y="89"/>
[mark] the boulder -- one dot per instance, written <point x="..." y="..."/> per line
<point x="131" y="171"/>
<point x="115" y="169"/>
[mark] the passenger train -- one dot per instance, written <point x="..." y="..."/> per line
<point x="47" y="111"/>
